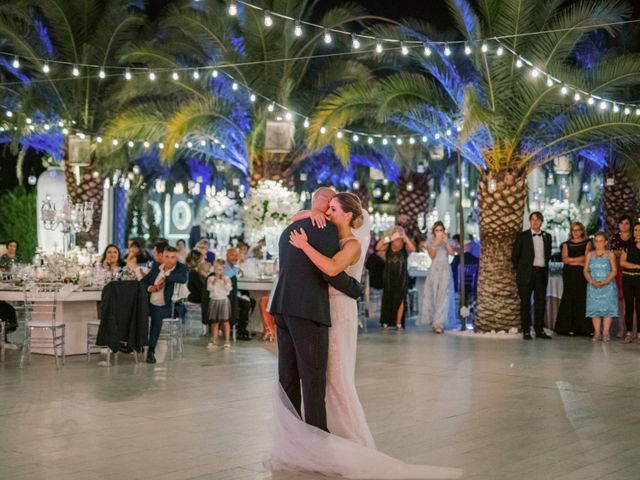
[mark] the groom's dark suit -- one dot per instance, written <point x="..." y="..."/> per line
<point x="301" y="307"/>
<point x="531" y="277"/>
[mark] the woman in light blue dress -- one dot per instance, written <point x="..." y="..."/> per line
<point x="602" y="292"/>
<point x="438" y="300"/>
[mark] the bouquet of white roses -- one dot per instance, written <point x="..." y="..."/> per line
<point x="560" y="213"/>
<point x="270" y="204"/>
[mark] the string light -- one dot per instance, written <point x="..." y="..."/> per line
<point x="355" y="43"/>
<point x="339" y="134"/>
<point x="297" y="31"/>
<point x="252" y="98"/>
<point x="214" y="73"/>
<point x="519" y="63"/>
<point x="535" y="72"/>
<point x="379" y="47"/>
<point x="327" y="36"/>
<point x="175" y="76"/>
<point x="404" y="49"/>
<point x="271" y="107"/>
<point x="323" y="130"/>
<point x="577" y="97"/>
<point x="233" y="8"/>
<point x="127" y="74"/>
<point x="564" y="90"/>
<point x="45" y="68"/>
<point x="196" y="74"/>
<point x="467" y="49"/>
<point x="130" y="144"/>
<point x="549" y="82"/>
<point x="355" y="137"/>
<point x="447" y="50"/>
<point x="500" y="51"/>
<point x="16" y="62"/>
<point x="268" y="21"/>
<point x="306" y="123"/>
<point x="427" y="50"/>
<point x="152" y="76"/>
<point x="484" y="48"/>
<point x="102" y="73"/>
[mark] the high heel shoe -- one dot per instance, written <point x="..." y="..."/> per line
<point x="268" y="337"/>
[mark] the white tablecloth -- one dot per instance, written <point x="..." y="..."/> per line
<point x="258" y="288"/>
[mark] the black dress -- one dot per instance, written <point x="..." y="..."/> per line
<point x="571" y="312"/>
<point x="394" y="286"/>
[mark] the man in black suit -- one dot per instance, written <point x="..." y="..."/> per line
<point x="301" y="307"/>
<point x="530" y="256"/>
<point x="160" y="283"/>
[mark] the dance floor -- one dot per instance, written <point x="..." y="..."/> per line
<point x="499" y="409"/>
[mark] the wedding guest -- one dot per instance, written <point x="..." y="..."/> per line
<point x="245" y="304"/>
<point x="219" y="287"/>
<point x="157" y="251"/>
<point x="619" y="242"/>
<point x="469" y="259"/>
<point x="232" y="271"/>
<point x="11" y="256"/>
<point x="602" y="292"/>
<point x="571" y="318"/>
<point x="530" y="257"/>
<point x="375" y="265"/>
<point x="199" y="270"/>
<point x="160" y="283"/>
<point x="203" y="246"/>
<point x="10" y="320"/>
<point x="395" y="281"/>
<point x="438" y="302"/>
<point x="181" y="246"/>
<point x="630" y="263"/>
<point x="111" y="259"/>
<point x="136" y="262"/>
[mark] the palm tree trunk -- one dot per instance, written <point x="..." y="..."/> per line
<point x="89" y="189"/>
<point x="412" y="200"/>
<point x="501" y="213"/>
<point x="620" y="198"/>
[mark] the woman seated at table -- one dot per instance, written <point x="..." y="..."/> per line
<point x="111" y="259"/>
<point x="136" y="260"/>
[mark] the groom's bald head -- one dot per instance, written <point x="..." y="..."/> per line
<point x="321" y="198"/>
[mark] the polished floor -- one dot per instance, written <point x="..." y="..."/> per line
<point x="500" y="409"/>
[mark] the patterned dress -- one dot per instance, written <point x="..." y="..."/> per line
<point x="603" y="301"/>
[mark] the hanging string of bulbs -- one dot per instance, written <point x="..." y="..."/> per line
<point x="489" y="46"/>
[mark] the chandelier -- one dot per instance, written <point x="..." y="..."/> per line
<point x="73" y="218"/>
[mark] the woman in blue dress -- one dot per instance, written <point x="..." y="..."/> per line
<point x="602" y="292"/>
<point x="438" y="301"/>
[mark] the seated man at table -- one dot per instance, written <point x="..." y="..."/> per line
<point x="160" y="283"/>
<point x="158" y="250"/>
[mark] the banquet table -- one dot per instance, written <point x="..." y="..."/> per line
<point x="257" y="288"/>
<point x="75" y="308"/>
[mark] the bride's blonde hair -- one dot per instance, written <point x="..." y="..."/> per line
<point x="350" y="203"/>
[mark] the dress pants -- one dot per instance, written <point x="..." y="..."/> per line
<point x="303" y="349"/>
<point x="157" y="315"/>
<point x="538" y="285"/>
<point x="631" y="294"/>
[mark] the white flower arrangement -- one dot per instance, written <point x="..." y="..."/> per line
<point x="220" y="209"/>
<point x="560" y="214"/>
<point x="270" y="204"/>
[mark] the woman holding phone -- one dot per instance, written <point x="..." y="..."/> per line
<point x="438" y="303"/>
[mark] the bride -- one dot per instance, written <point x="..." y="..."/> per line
<point x="349" y="450"/>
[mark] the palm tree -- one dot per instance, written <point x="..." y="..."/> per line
<point x="248" y="57"/>
<point x="75" y="32"/>
<point x="497" y="112"/>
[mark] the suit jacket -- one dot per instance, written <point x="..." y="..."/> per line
<point x="523" y="254"/>
<point x="124" y="315"/>
<point x="180" y="274"/>
<point x="302" y="288"/>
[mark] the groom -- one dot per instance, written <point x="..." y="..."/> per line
<point x="301" y="307"/>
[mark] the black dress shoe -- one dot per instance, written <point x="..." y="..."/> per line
<point x="527" y="336"/>
<point x="151" y="356"/>
<point x="543" y="335"/>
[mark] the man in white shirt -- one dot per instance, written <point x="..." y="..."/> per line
<point x="530" y="256"/>
<point x="160" y="284"/>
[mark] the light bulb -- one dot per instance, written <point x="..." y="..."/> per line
<point x="576" y="97"/>
<point x="233" y="8"/>
<point x="288" y="116"/>
<point x="564" y="90"/>
<point x="616" y="108"/>
<point x="355" y="137"/>
<point x="16" y="62"/>
<point x="427" y="50"/>
<point x="327" y="36"/>
<point x="271" y="107"/>
<point x="355" y="43"/>
<point x="424" y="139"/>
<point x="252" y="97"/>
<point x="268" y="21"/>
<point x="130" y="144"/>
<point x="500" y="51"/>
<point x="297" y="31"/>
<point x="339" y="134"/>
<point x="75" y="72"/>
<point x="145" y="144"/>
<point x="45" y="68"/>
<point x="203" y="143"/>
<point x="9" y="113"/>
<point x="484" y="48"/>
<point x="65" y="131"/>
<point x="114" y="142"/>
<point x="176" y="145"/>
<point x="214" y="73"/>
<point x="549" y="82"/>
<point x="234" y="86"/>
<point x="152" y="76"/>
<point x="412" y="141"/>
<point x="637" y="112"/>
<point x="175" y="76"/>
<point x="519" y="63"/>
<point x="437" y="136"/>
<point x="603" y="105"/>
<point x="306" y="123"/>
<point x="98" y="139"/>
<point x="323" y="130"/>
<point x="101" y="73"/>
<point x="447" y="50"/>
<point x="399" y="141"/>
<point x="196" y="74"/>
<point x="127" y="74"/>
<point x="535" y="72"/>
<point x="404" y="49"/>
<point x="370" y="141"/>
<point x="591" y="101"/>
<point x="448" y="132"/>
<point x="189" y="145"/>
<point x="385" y="141"/>
<point x="379" y="47"/>
<point x="467" y="49"/>
<point x="627" y="111"/>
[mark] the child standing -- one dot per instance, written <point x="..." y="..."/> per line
<point x="219" y="287"/>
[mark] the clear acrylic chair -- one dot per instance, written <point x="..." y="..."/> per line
<point x="171" y="332"/>
<point x="40" y="306"/>
<point x="2" y="333"/>
<point x="92" y="336"/>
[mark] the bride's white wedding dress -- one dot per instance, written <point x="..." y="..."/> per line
<point x="349" y="450"/>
